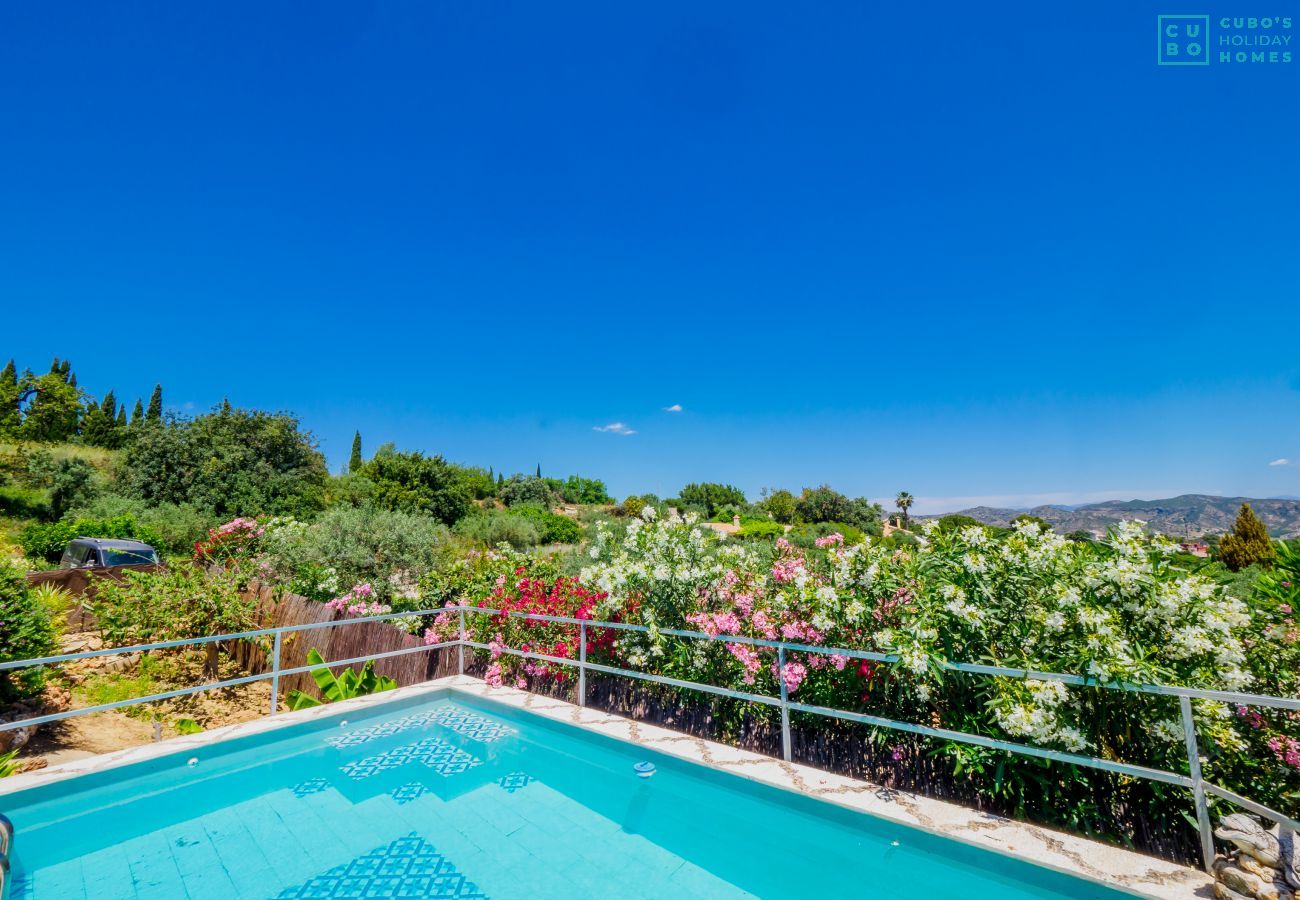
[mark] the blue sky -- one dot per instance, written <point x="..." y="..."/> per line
<point x="983" y="253"/>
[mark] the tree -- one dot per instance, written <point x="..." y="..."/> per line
<point x="53" y="409"/>
<point x="154" y="413"/>
<point x="121" y="424"/>
<point x="577" y="489"/>
<point x="413" y="482"/>
<point x="99" y="425"/>
<point x="1247" y="543"/>
<point x="355" y="462"/>
<point x="10" y="415"/>
<point x="781" y="505"/>
<point x="137" y="414"/>
<point x="70" y="480"/>
<point x="957" y="521"/>
<point x="904" y="502"/>
<point x="526" y="489"/>
<point x="711" y="496"/>
<point x="229" y="462"/>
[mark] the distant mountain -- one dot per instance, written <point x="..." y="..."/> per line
<point x="1189" y="515"/>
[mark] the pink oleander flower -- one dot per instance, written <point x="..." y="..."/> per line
<point x="714" y="624"/>
<point x="831" y="540"/>
<point x="493" y="675"/>
<point x="496" y="646"/>
<point x="839" y="661"/>
<point x="793" y="675"/>
<point x="744" y="603"/>
<point x="748" y="658"/>
<point x="1286" y="749"/>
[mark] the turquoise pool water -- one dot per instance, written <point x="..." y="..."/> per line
<point x="442" y="797"/>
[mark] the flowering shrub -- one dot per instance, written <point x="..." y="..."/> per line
<point x="235" y="539"/>
<point x="360" y="601"/>
<point x="518" y="592"/>
<point x="1116" y="610"/>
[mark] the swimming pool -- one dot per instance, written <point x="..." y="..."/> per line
<point x="451" y="795"/>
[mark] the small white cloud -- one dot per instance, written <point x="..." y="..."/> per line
<point x="1281" y="462"/>
<point x="676" y="407"/>
<point x="614" y="428"/>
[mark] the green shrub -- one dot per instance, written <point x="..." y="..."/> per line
<point x="527" y="489"/>
<point x="806" y="535"/>
<point x="48" y="542"/>
<point x="347" y="545"/>
<point x="415" y="483"/>
<point x="179" y="602"/>
<point x="26" y="632"/>
<point x="492" y="527"/>
<point x="554" y="528"/>
<point x="761" y="529"/>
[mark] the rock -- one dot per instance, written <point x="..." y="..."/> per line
<point x="1289" y="857"/>
<point x="1243" y="882"/>
<point x="1222" y="892"/>
<point x="1250" y="837"/>
<point x="1255" y="867"/>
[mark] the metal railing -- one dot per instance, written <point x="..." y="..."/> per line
<point x="1193" y="781"/>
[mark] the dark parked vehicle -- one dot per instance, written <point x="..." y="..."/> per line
<point x="87" y="553"/>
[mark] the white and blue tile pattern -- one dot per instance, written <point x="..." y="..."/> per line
<point x="462" y="721"/>
<point x="432" y="753"/>
<point x="407" y="867"/>
<point x="514" y="781"/>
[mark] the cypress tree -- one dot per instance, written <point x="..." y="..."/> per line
<point x="355" y="462"/>
<point x="154" y="413"/>
<point x="121" y="416"/>
<point x="539" y="470"/>
<point x="137" y="415"/>
<point x="10" y="416"/>
<point x="1247" y="543"/>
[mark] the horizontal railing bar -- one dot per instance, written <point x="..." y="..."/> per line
<point x="211" y="686"/>
<point x="995" y="744"/>
<point x="1258" y="809"/>
<point x="182" y="642"/>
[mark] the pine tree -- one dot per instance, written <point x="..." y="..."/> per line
<point x="1247" y="543"/>
<point x="355" y="462"/>
<point x="154" y="413"/>
<point x="137" y="415"/>
<point x="96" y="425"/>
<point x="121" y="420"/>
<point x="10" y="416"/>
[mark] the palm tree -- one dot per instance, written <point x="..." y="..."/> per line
<point x="903" y="501"/>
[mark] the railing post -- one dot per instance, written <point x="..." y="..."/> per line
<point x="1198" y="784"/>
<point x="460" y="648"/>
<point x="785" y="704"/>
<point x="582" y="664"/>
<point x="275" y="674"/>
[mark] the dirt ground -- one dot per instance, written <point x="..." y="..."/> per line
<point x="107" y="679"/>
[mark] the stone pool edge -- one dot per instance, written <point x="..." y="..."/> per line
<point x="1071" y="854"/>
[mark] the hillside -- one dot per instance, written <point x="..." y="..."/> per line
<point x="1189" y="515"/>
